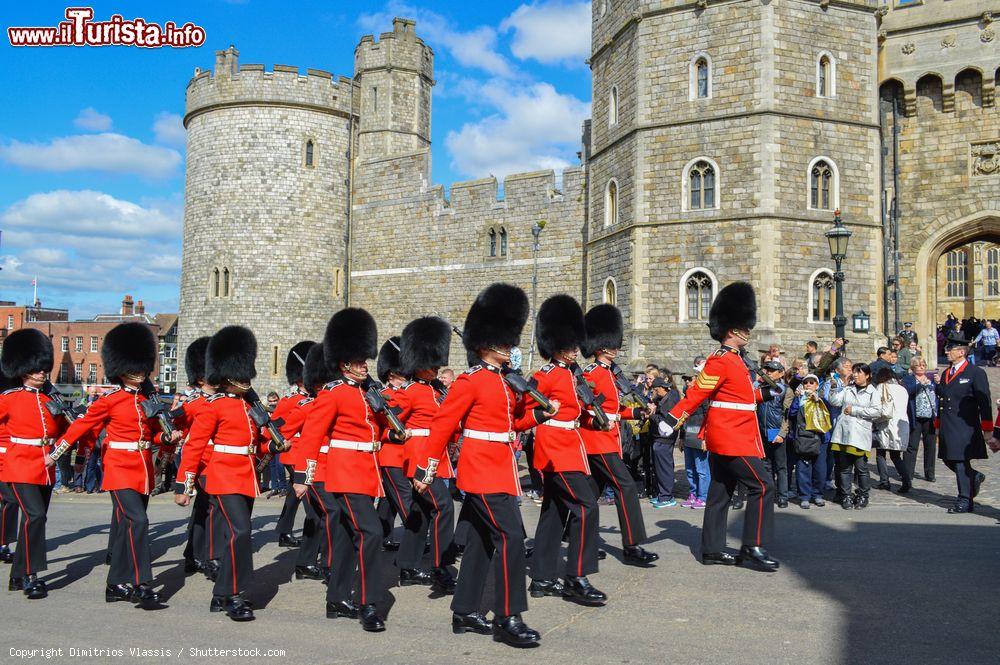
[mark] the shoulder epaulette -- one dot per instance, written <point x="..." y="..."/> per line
<point x="590" y="368"/>
<point x="111" y="392"/>
<point x="545" y="369"/>
<point x="216" y="396"/>
<point x="473" y="369"/>
<point x="333" y="384"/>
<point x="12" y="390"/>
<point x="306" y="401"/>
<point x="720" y="352"/>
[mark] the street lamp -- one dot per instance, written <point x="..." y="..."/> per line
<point x="862" y="322"/>
<point x="838" y="236"/>
<point x="536" y="232"/>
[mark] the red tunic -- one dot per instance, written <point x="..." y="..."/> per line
<point x="419" y="402"/>
<point x="730" y="426"/>
<point x="24" y="416"/>
<point x="226" y="421"/>
<point x="481" y="400"/>
<point x="391" y="454"/>
<point x="189" y="413"/>
<point x="294" y="419"/>
<point x="558" y="449"/>
<point x="341" y="413"/>
<point x="599" y="442"/>
<point x="281" y="410"/>
<point x="119" y="413"/>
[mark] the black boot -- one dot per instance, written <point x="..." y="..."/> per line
<point x="145" y="596"/>
<point x="718" y="559"/>
<point x="237" y="609"/>
<point x="860" y="500"/>
<point x="6" y="556"/>
<point x="582" y="591"/>
<point x="513" y="632"/>
<point x="35" y="588"/>
<point x="847" y="502"/>
<point x="107" y="558"/>
<point x="601" y="555"/>
<point x="114" y="593"/>
<point x="444" y="583"/>
<point x="961" y="506"/>
<point x="634" y="555"/>
<point x="390" y="545"/>
<point x="542" y="588"/>
<point x="475" y="622"/>
<point x="288" y="540"/>
<point x="757" y="558"/>
<point x="16" y="584"/>
<point x="309" y="573"/>
<point x="370" y="620"/>
<point x="977" y="482"/>
<point x="211" y="569"/>
<point x="341" y="609"/>
<point x="414" y="577"/>
<point x="192" y="566"/>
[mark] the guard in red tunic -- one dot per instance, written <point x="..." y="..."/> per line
<point x="231" y="472"/>
<point x="343" y="421"/>
<point x="8" y="502"/>
<point x="560" y="456"/>
<point x="731" y="433"/>
<point x="491" y="414"/>
<point x="605" y="332"/>
<point x="424" y="350"/>
<point x="28" y="471"/>
<point x="293" y="372"/>
<point x="129" y="356"/>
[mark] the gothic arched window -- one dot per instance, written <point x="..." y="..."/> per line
<point x="610" y="291"/>
<point x="701" y="185"/>
<point x="699" y="292"/>
<point x="826" y="76"/>
<point x="822" y="296"/>
<point x="216" y="282"/>
<point x="310" y="150"/>
<point x="993" y="271"/>
<point x="493" y="242"/>
<point x="613" y="106"/>
<point x="957" y="273"/>
<point x="225" y="282"/>
<point x="821" y="186"/>
<point x="611" y="203"/>
<point x="503" y="241"/>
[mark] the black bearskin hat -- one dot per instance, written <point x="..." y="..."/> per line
<point x="129" y="348"/>
<point x="560" y="325"/>
<point x="316" y="373"/>
<point x="388" y="359"/>
<point x="350" y="335"/>
<point x="735" y="308"/>
<point x="605" y="329"/>
<point x="496" y="318"/>
<point x="231" y="355"/>
<point x="26" y="351"/>
<point x="194" y="360"/>
<point x="294" y="361"/>
<point x="425" y="344"/>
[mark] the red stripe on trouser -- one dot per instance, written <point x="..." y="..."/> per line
<point x="27" y="521"/>
<point x="399" y="499"/>
<point x="760" y="513"/>
<point x="326" y="526"/>
<point x="232" y="545"/>
<point x="361" y="550"/>
<point x="583" y="521"/>
<point x="3" y="525"/>
<point x="437" y="518"/>
<point x="621" y="496"/>
<point x="211" y="531"/>
<point x="131" y="543"/>
<point x="506" y="579"/>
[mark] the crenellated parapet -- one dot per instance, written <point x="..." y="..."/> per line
<point x="400" y="50"/>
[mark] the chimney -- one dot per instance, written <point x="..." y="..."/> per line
<point x="140" y="308"/>
<point x="128" y="309"/>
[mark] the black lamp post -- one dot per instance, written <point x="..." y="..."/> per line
<point x="838" y="236"/>
<point x="536" y="232"/>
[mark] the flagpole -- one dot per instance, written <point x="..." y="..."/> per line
<point x="34" y="295"/>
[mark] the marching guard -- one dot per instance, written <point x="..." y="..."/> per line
<point x="605" y="331"/>
<point x="561" y="458"/>
<point x="492" y="414"/>
<point x="129" y="356"/>
<point x="731" y="434"/>
<point x="8" y="502"/>
<point x="398" y="497"/>
<point x="294" y="365"/>
<point x="28" y="468"/>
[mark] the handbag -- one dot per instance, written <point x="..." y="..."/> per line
<point x="817" y="416"/>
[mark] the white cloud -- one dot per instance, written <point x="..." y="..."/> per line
<point x="94" y="152"/>
<point x="169" y="129"/>
<point x="93" y="120"/>
<point x="550" y="32"/>
<point x="88" y="213"/>
<point x="532" y="127"/>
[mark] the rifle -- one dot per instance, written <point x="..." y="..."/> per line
<point x="260" y="416"/>
<point x="57" y="406"/>
<point x="756" y="370"/>
<point x="625" y="387"/>
<point x="376" y="400"/>
<point x="591" y="402"/>
<point x="153" y="407"/>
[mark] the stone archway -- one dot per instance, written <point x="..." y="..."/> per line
<point x="949" y="233"/>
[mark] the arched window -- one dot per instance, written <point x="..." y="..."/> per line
<point x="216" y="282"/>
<point x="610" y="291"/>
<point x="310" y="153"/>
<point x="993" y="271"/>
<point x="225" y="282"/>
<point x="493" y="242"/>
<point x="698" y="287"/>
<point x="701" y="185"/>
<point x="613" y="106"/>
<point x="957" y="273"/>
<point x="824" y="185"/>
<point x="700" y="77"/>
<point x="826" y="75"/>
<point x="503" y="241"/>
<point x="821" y="296"/>
<point x="701" y="68"/>
<point x="611" y="203"/>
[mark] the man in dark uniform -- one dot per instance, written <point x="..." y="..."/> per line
<point x="965" y="412"/>
<point x="731" y="433"/>
<point x="907" y="334"/>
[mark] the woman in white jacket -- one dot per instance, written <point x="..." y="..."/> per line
<point x="852" y="436"/>
<point x="892" y="432"/>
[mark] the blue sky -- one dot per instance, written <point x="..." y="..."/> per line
<point x="92" y="147"/>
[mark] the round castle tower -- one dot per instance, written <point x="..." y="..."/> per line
<point x="265" y="205"/>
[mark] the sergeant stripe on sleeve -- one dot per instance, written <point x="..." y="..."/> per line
<point x="706" y="381"/>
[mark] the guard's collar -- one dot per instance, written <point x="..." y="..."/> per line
<point x="129" y="389"/>
<point x="559" y="363"/>
<point x="492" y="368"/>
<point x="350" y="382"/>
<point x="730" y="348"/>
<point x="603" y="364"/>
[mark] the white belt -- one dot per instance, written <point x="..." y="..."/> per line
<point x="360" y="446"/>
<point x="129" y="445"/>
<point x="420" y="432"/>
<point x="324" y="449"/>
<point x="2" y="451"/>
<point x="31" y="442"/>
<point x="735" y="406"/>
<point x="505" y="437"/>
<point x="235" y="450"/>
<point x="612" y="417"/>
<point x="563" y="424"/>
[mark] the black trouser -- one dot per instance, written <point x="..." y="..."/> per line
<point x="116" y="520"/>
<point x="65" y="464"/>
<point x="131" y="560"/>
<point x="758" y="522"/>
<point x="218" y="537"/>
<point x="777" y="466"/>
<point x="663" y="460"/>
<point x="529" y="453"/>
<point x="847" y="466"/>
<point x="286" y="521"/>
<point x="236" y="569"/>
<point x="609" y="469"/>
<point x="196" y="548"/>
<point x="648" y="473"/>
<point x="360" y="531"/>
<point x="965" y="475"/>
<point x="8" y="516"/>
<point x="494" y="527"/>
<point x="33" y="501"/>
<point x="398" y="497"/>
<point x="923" y="429"/>
<point x="313" y="531"/>
<point x="569" y="493"/>
<point x="897" y="461"/>
<point x="433" y="507"/>
<point x="328" y="513"/>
